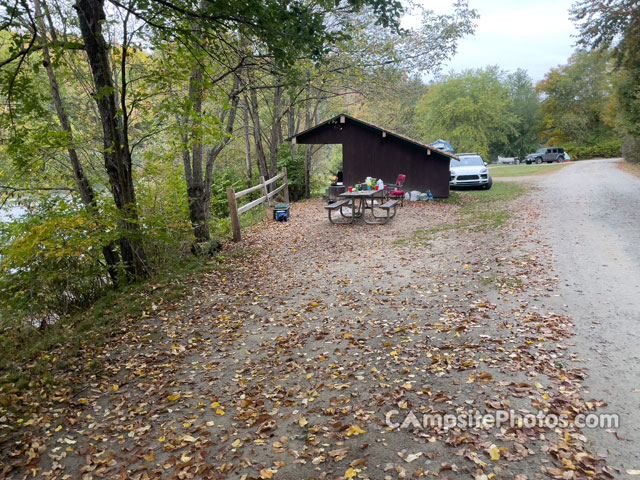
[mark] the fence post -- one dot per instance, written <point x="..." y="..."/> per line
<point x="233" y="213"/>
<point x="265" y="190"/>
<point x="285" y="181"/>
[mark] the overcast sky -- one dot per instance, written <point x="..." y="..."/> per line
<point x="532" y="34"/>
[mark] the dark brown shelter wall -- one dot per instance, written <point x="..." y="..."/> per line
<point x="365" y="152"/>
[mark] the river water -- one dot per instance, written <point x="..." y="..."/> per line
<point x="11" y="212"/>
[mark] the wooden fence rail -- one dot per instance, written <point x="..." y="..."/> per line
<point x="233" y="196"/>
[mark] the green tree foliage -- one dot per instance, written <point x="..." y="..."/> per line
<point x="525" y="107"/>
<point x="616" y="24"/>
<point x="575" y="105"/>
<point x="51" y="261"/>
<point x="472" y="109"/>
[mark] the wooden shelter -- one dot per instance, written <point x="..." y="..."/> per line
<point x="372" y="151"/>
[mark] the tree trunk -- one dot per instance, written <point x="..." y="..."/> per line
<point x="117" y="157"/>
<point x="198" y="198"/>
<point x="276" y="133"/>
<point x="307" y="149"/>
<point x="261" y="159"/>
<point x="87" y="195"/>
<point x="292" y="128"/>
<point x="199" y="182"/>
<point x="247" y="142"/>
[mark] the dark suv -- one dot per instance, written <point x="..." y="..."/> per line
<point x="546" y="154"/>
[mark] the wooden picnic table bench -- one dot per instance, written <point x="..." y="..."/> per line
<point x="339" y="205"/>
<point x="391" y="204"/>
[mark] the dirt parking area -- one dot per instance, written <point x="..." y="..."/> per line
<point x="431" y="347"/>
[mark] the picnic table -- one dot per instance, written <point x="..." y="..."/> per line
<point x="360" y="201"/>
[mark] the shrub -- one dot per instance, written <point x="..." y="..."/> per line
<point x="295" y="171"/>
<point x="51" y="262"/>
<point x="609" y="148"/>
<point x="631" y="149"/>
<point x="219" y="202"/>
<point x="164" y="215"/>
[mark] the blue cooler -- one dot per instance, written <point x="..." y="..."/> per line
<point x="281" y="212"/>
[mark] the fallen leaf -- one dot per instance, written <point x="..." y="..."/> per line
<point x="412" y="457"/>
<point x="494" y="452"/>
<point x="351" y="473"/>
<point x="354" y="430"/>
<point x="266" y="473"/>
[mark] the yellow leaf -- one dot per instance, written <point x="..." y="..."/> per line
<point x="189" y="438"/>
<point x="173" y="398"/>
<point x="185" y="458"/>
<point x="58" y="428"/>
<point x="150" y="457"/>
<point x="538" y="384"/>
<point x="354" y="430"/>
<point x="219" y="411"/>
<point x="302" y="421"/>
<point x="494" y="452"/>
<point x="162" y="439"/>
<point x="237" y="443"/>
<point x="266" y="473"/>
<point x="351" y="473"/>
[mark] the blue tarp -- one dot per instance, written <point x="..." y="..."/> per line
<point x="442" y="145"/>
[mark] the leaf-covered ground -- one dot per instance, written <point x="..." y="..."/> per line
<point x="289" y="363"/>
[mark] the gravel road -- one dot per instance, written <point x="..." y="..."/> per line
<point x="591" y="220"/>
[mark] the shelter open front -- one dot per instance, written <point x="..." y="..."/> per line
<point x="372" y="151"/>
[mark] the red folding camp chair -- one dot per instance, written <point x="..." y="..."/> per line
<point x="398" y="193"/>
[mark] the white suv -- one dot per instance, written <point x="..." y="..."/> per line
<point x="469" y="171"/>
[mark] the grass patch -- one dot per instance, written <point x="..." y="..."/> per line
<point x="498" y="171"/>
<point x="480" y="210"/>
